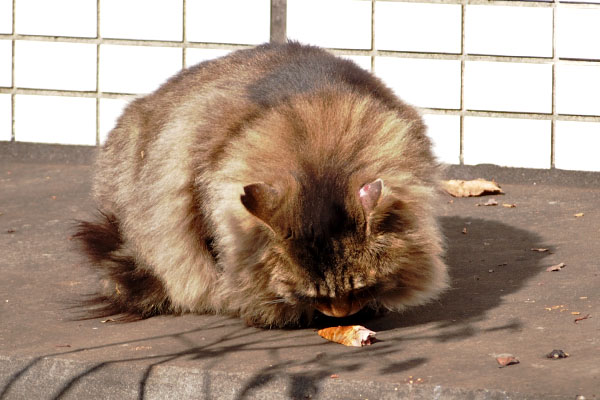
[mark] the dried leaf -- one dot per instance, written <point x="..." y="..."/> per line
<point x="556" y="267"/>
<point x="334" y="376"/>
<point x="507" y="205"/>
<point x="506" y="359"/>
<point x="539" y="250"/>
<point x="578" y="215"/>
<point x="476" y="187"/>
<point x="464" y="231"/>
<point x="353" y="335"/>
<point x="490" y="202"/>
<point x="587" y="316"/>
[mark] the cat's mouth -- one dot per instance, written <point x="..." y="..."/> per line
<point x="339" y="307"/>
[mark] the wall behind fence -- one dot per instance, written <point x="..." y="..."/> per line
<point x="514" y="83"/>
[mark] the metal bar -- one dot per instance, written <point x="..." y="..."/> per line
<point x="512" y="3"/>
<point x="554" y="64"/>
<point x="98" y="93"/>
<point x="13" y="97"/>
<point x="511" y="114"/>
<point x="278" y="21"/>
<point x="463" y="58"/>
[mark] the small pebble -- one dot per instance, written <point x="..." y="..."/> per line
<point x="556" y="354"/>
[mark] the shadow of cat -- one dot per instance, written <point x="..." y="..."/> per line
<point x="490" y="262"/>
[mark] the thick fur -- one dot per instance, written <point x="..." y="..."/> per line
<point x="241" y="186"/>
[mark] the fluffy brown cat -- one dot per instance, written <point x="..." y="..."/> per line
<point x="267" y="184"/>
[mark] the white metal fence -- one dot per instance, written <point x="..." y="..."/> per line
<point x="513" y="83"/>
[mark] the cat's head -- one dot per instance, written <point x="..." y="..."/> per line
<point x="342" y="245"/>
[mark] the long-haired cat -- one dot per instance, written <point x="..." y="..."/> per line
<point x="266" y="184"/>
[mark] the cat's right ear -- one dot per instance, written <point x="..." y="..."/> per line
<point x="261" y="200"/>
<point x="369" y="195"/>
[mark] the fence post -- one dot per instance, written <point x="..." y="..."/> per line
<point x="278" y="21"/>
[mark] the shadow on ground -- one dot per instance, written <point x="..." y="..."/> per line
<point x="488" y="262"/>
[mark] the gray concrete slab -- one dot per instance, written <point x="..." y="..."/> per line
<point x="502" y="301"/>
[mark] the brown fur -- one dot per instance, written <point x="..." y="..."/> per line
<point x="240" y="187"/>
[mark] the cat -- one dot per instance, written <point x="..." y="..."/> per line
<point x="271" y="184"/>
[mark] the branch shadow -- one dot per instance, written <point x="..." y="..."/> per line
<point x="489" y="245"/>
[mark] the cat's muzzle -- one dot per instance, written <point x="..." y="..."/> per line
<point x="339" y="306"/>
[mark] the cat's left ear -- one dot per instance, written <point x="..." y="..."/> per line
<point x="370" y="194"/>
<point x="261" y="200"/>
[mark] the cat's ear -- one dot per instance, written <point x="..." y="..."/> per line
<point x="370" y="194"/>
<point x="261" y="200"/>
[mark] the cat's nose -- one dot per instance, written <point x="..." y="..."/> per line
<point x="339" y="307"/>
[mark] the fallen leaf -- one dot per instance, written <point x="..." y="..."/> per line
<point x="556" y="267"/>
<point x="476" y="187"/>
<point x="353" y="335"/>
<point x="578" y="215"/>
<point x="539" y="250"/>
<point x="587" y="316"/>
<point x="575" y="313"/>
<point x="506" y="359"/>
<point x="334" y="376"/>
<point x="507" y="205"/>
<point x="556" y="354"/>
<point x="464" y="231"/>
<point x="490" y="202"/>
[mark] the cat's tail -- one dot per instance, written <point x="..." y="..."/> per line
<point x="130" y="291"/>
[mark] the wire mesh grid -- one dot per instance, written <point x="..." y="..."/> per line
<point x="278" y="21"/>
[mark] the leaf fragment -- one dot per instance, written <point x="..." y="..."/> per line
<point x="506" y="359"/>
<point x="587" y="316"/>
<point x="490" y="202"/>
<point x="556" y="267"/>
<point x="476" y="187"/>
<point x="578" y="215"/>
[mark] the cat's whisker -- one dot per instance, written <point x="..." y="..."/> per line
<point x="276" y="301"/>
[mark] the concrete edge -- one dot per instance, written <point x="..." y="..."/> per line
<point x="52" y="377"/>
<point x="47" y="153"/>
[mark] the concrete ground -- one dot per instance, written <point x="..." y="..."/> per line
<point x="502" y="301"/>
